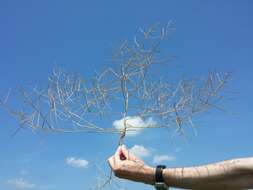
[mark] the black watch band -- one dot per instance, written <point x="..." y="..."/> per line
<point x="159" y="180"/>
<point x="159" y="173"/>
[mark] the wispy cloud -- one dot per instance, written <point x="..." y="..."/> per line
<point x="20" y="183"/>
<point x="77" y="162"/>
<point x="162" y="158"/>
<point x="140" y="151"/>
<point x="134" y="124"/>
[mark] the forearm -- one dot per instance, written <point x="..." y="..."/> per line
<point x="231" y="174"/>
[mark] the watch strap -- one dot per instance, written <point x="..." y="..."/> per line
<point x="159" y="180"/>
<point x="159" y="173"/>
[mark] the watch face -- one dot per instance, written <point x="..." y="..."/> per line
<point x="161" y="186"/>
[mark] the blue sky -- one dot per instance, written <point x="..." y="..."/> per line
<point x="80" y="36"/>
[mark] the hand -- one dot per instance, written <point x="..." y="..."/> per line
<point x="126" y="165"/>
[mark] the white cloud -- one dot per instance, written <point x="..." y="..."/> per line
<point x="140" y="151"/>
<point x="134" y="124"/>
<point x="77" y="162"/>
<point x="162" y="158"/>
<point x="20" y="183"/>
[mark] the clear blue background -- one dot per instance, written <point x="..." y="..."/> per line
<point x="80" y="36"/>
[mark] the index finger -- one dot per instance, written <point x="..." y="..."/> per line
<point x="121" y="153"/>
<point x="117" y="153"/>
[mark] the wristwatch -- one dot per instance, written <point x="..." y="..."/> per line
<point x="159" y="180"/>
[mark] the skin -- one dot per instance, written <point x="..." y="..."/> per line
<point x="235" y="174"/>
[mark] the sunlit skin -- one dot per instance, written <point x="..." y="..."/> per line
<point x="232" y="174"/>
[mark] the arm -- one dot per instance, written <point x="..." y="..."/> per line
<point x="231" y="174"/>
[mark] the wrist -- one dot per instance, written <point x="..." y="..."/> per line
<point x="160" y="183"/>
<point x="149" y="177"/>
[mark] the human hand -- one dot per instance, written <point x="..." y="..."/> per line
<point x="126" y="165"/>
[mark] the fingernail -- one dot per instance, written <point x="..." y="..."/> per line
<point x="122" y="156"/>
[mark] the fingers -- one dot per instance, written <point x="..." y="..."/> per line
<point x="122" y="167"/>
<point x="115" y="162"/>
<point x="129" y="155"/>
<point x="118" y="151"/>
<point x="124" y="152"/>
<point x="111" y="162"/>
<point x="119" y="156"/>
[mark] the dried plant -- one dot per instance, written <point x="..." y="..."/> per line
<point x="130" y="86"/>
